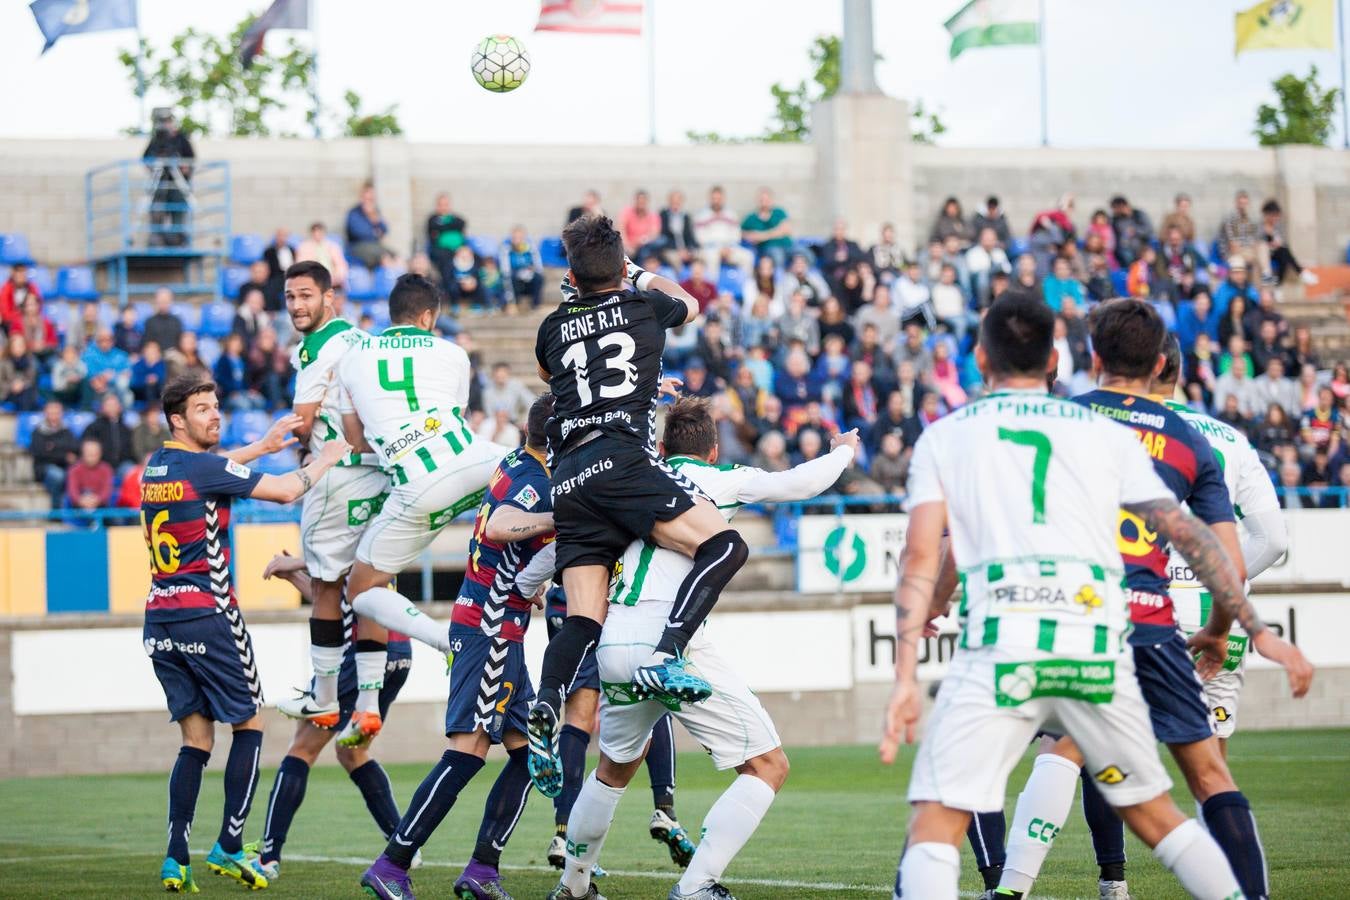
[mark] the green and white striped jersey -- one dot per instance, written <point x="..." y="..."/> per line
<point x="315" y="360"/>
<point x="410" y="390"/>
<point x="1034" y="487"/>
<point x="1252" y="493"/>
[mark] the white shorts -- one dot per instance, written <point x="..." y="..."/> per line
<point x="976" y="734"/>
<point x="415" y="512"/>
<point x="732" y="724"/>
<point x="1222" y="693"/>
<point x="335" y="513"/>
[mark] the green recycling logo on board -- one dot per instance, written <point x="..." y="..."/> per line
<point x="845" y="553"/>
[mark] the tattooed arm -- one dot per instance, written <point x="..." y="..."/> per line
<point x="508" y="524"/>
<point x="1215" y="570"/>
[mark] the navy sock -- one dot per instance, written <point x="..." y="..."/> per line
<point x="986" y="833"/>
<point x="1229" y="819"/>
<point x="1108" y="832"/>
<point x="563" y="657"/>
<point x="715" y="561"/>
<point x="572" y="744"/>
<point x="378" y="793"/>
<point x="185" y="783"/>
<point x="241" y="780"/>
<point x="505" y="803"/>
<point x="661" y="765"/>
<point x="288" y="792"/>
<point x="430" y="803"/>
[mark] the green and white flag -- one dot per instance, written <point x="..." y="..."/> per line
<point x="993" y="23"/>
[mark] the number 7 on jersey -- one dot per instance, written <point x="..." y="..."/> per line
<point x="1040" y="465"/>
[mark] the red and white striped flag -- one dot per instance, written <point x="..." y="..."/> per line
<point x="591" y="16"/>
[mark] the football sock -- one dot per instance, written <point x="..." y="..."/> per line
<point x="327" y="641"/>
<point x="371" y="657"/>
<point x="726" y="828"/>
<point x="586" y="830"/>
<point x="1042" y="808"/>
<point x="661" y="765"/>
<point x="430" y="803"/>
<point x="1108" y="832"/>
<point x="564" y="656"/>
<point x="373" y="783"/>
<point x="505" y="803"/>
<point x="395" y="611"/>
<point x="185" y="783"/>
<point x="572" y="743"/>
<point x="1229" y="819"/>
<point x="929" y="871"/>
<point x="986" y="833"/>
<point x="1191" y="855"/>
<point x="288" y="792"/>
<point x="241" y="779"/>
<point x="715" y="562"/>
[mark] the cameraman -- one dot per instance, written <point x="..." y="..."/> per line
<point x="168" y="146"/>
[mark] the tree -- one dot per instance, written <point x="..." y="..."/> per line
<point x="1304" y="114"/>
<point x="213" y="93"/>
<point x="791" y="120"/>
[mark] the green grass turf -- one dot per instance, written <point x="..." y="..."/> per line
<point x="839" y="821"/>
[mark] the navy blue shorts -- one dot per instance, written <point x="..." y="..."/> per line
<point x="206" y="665"/>
<point x="397" y="665"/>
<point x="1173" y="690"/>
<point x="490" y="686"/>
<point x="588" y="676"/>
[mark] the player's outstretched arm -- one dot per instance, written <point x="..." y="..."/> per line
<point x="1267" y="540"/>
<point x="507" y="524"/>
<point x="804" y="481"/>
<point x="290" y="569"/>
<point x="293" y="485"/>
<point x="277" y="438"/>
<point x="650" y="281"/>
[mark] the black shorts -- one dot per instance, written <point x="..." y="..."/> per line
<point x="607" y="494"/>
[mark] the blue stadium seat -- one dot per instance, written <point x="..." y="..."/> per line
<point x="14" y="249"/>
<point x="379" y="314"/>
<point x="1347" y="253"/>
<point x="667" y="272"/>
<point x="190" y="314"/>
<point x="361" y="283"/>
<point x="248" y="426"/>
<point x="4" y="273"/>
<point x="483" y="246"/>
<point x="208" y="348"/>
<point x="42" y="278"/>
<point x="276" y="463"/>
<point x="732" y="280"/>
<point x="217" y="319"/>
<point x="247" y="248"/>
<point x="1017" y="247"/>
<point x="77" y="283"/>
<point x="384" y="281"/>
<point x="78" y="421"/>
<point x="1120" y="282"/>
<point x="1215" y="256"/>
<point x="144" y="310"/>
<point x="107" y="314"/>
<point x="61" y="315"/>
<point x="232" y="278"/>
<point x="24" y="428"/>
<point x="551" y="253"/>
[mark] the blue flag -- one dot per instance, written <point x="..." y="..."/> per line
<point x="58" y="18"/>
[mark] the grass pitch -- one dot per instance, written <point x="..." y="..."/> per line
<point x="836" y="830"/>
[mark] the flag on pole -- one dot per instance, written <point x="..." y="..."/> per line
<point x="293" y="14"/>
<point x="58" y="18"/>
<point x="1285" y="25"/>
<point x="591" y="16"/>
<point x="993" y="23"/>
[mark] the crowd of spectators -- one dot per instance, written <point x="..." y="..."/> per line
<point x="797" y="339"/>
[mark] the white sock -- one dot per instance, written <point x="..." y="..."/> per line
<point x="1042" y="808"/>
<point x="1193" y="856"/>
<point x="327" y="662"/>
<point x="930" y="871"/>
<point x="397" y="613"/>
<point x="587" y="826"/>
<point x="726" y="828"/>
<point x="370" y="679"/>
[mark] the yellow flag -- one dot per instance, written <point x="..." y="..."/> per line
<point x="1286" y="25"/>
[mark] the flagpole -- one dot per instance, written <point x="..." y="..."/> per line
<point x="649" y="9"/>
<point x="1040" y="35"/>
<point x="1340" y="42"/>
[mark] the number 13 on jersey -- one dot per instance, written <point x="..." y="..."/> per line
<point x="580" y="358"/>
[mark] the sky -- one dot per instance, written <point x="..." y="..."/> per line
<point x="1147" y="73"/>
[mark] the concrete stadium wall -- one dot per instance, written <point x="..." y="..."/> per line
<point x="292" y="182"/>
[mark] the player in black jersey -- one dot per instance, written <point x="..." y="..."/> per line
<point x="600" y="352"/>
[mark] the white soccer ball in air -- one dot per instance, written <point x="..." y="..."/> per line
<point x="500" y="63"/>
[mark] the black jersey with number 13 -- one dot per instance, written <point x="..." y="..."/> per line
<point x="603" y="356"/>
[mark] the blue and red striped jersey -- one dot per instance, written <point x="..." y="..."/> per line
<point x="488" y="598"/>
<point x="185" y="515"/>
<point x="1186" y="463"/>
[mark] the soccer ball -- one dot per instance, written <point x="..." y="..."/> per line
<point x="500" y="63"/>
